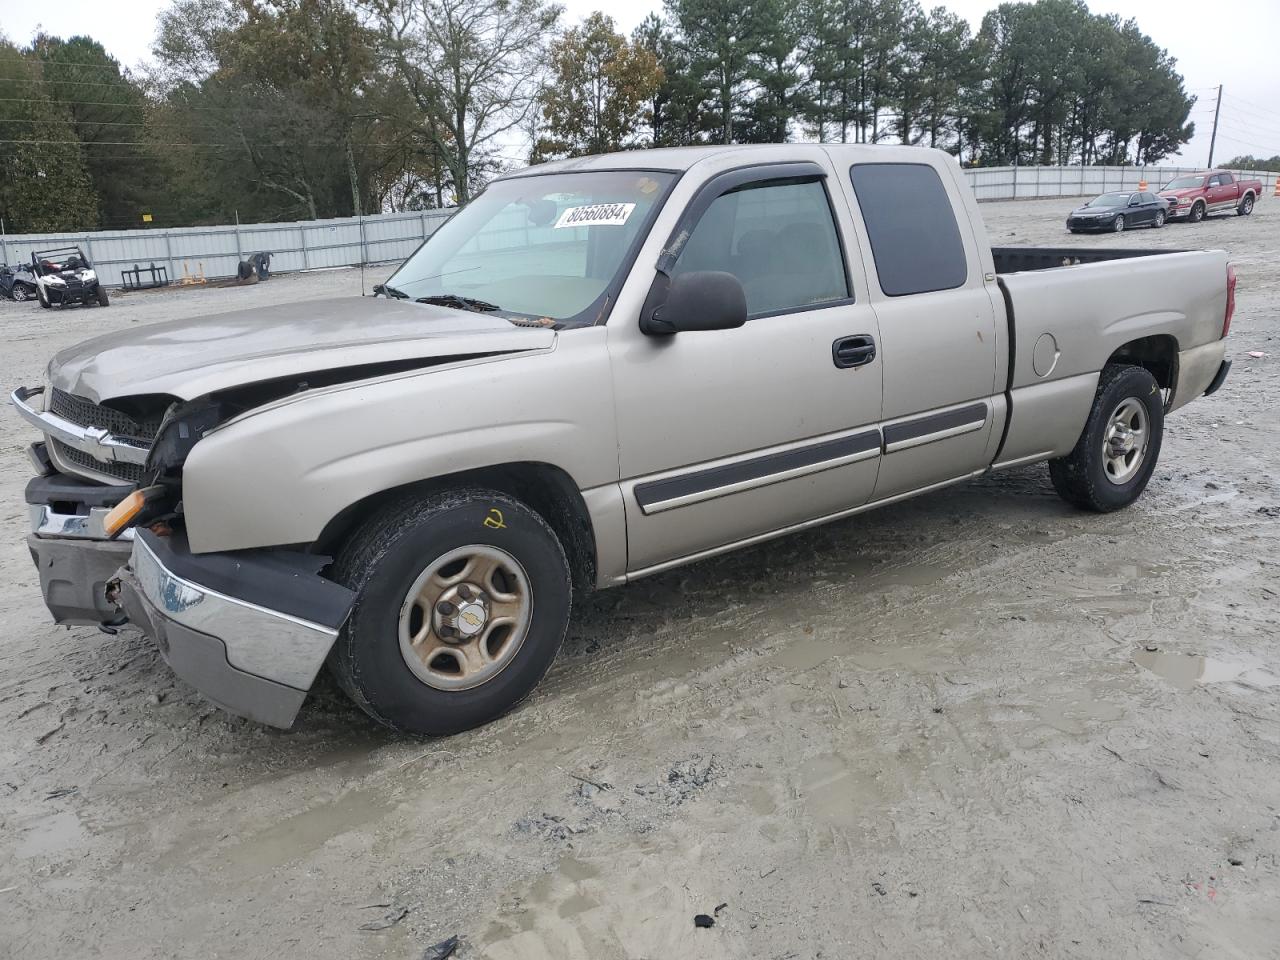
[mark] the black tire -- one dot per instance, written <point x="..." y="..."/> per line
<point x="1081" y="477"/>
<point x="1246" y="206"/>
<point x="1197" y="212"/>
<point x="103" y="299"/>
<point x="1119" y="224"/>
<point x="1158" y="222"/>
<point x="21" y="292"/>
<point x="383" y="560"/>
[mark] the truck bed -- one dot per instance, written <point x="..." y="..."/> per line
<point x="1019" y="259"/>
<point x="1065" y="324"/>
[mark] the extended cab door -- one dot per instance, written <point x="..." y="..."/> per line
<point x="725" y="435"/>
<point x="1221" y="191"/>
<point x="937" y="314"/>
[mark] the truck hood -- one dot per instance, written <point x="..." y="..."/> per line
<point x="190" y="358"/>
<point x="1172" y="194"/>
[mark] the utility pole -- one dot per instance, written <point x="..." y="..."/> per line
<point x="1213" y="138"/>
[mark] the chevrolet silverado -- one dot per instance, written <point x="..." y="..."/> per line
<point x="597" y="370"/>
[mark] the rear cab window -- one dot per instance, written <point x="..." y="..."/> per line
<point x="911" y="225"/>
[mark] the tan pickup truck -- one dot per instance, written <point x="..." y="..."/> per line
<point x="599" y="369"/>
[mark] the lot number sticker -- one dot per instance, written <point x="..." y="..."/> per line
<point x="596" y="215"/>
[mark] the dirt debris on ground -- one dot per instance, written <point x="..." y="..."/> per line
<point x="978" y="723"/>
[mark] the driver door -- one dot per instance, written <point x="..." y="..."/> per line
<point x="728" y="435"/>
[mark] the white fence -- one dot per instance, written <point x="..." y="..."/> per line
<point x="348" y="241"/>
<point x="305" y="245"/>
<point x="1027" y="183"/>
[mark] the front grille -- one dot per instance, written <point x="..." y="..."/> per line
<point x="84" y="413"/>
<point x="126" y="472"/>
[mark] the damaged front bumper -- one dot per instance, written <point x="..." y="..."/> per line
<point x="249" y="630"/>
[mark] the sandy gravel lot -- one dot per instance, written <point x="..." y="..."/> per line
<point x="978" y="724"/>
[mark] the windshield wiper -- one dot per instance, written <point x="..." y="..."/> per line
<point x="459" y="303"/>
<point x="389" y="291"/>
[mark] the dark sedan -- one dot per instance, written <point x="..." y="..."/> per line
<point x="1115" y="212"/>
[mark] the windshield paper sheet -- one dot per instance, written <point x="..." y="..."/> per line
<point x="596" y="215"/>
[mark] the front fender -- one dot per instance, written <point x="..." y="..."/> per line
<point x="279" y="474"/>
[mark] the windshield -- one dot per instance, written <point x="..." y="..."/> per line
<point x="1109" y="200"/>
<point x="542" y="246"/>
<point x="1184" y="183"/>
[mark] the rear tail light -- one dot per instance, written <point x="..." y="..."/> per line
<point x="1231" y="299"/>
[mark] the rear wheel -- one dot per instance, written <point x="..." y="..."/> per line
<point x="20" y="292"/>
<point x="463" y="599"/>
<point x="1197" y="212"/>
<point x="1119" y="224"/>
<point x="1160" y="218"/>
<point x="1115" y="455"/>
<point x="1246" y="206"/>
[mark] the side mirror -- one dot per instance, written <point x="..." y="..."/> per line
<point x="701" y="300"/>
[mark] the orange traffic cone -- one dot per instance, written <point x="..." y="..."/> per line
<point x="1278" y="186"/>
<point x="1142" y="184"/>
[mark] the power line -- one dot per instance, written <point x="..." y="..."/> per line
<point x="177" y="143"/>
<point x="40" y="61"/>
<point x="54" y="81"/>
<point x="1253" y="145"/>
<point x="145" y="104"/>
<point x="1254" y="125"/>
<point x="1257" y="106"/>
<point x="96" y="123"/>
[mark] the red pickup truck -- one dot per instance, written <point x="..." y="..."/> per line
<point x="1196" y="195"/>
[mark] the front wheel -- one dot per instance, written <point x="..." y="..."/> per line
<point x="1197" y="213"/>
<point x="463" y="600"/>
<point x="1115" y="455"/>
<point x="1119" y="225"/>
<point x="103" y="299"/>
<point x="1246" y="206"/>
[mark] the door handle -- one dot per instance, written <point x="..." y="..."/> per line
<point x="854" y="351"/>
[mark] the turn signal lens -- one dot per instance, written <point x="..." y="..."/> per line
<point x="1231" y="299"/>
<point x="119" y="516"/>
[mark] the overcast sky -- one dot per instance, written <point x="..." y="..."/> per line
<point x="1233" y="45"/>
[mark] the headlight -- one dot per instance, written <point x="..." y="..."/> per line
<point x="88" y="275"/>
<point x="56" y="281"/>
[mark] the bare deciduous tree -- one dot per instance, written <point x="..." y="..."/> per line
<point x="473" y="67"/>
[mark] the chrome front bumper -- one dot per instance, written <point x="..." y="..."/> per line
<point x="96" y="442"/>
<point x="49" y="523"/>
<point x="249" y="630"/>
<point x="254" y="660"/>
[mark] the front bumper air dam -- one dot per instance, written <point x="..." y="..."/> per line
<point x="249" y="631"/>
<point x="74" y="576"/>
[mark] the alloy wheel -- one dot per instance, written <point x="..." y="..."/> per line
<point x="1124" y="442"/>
